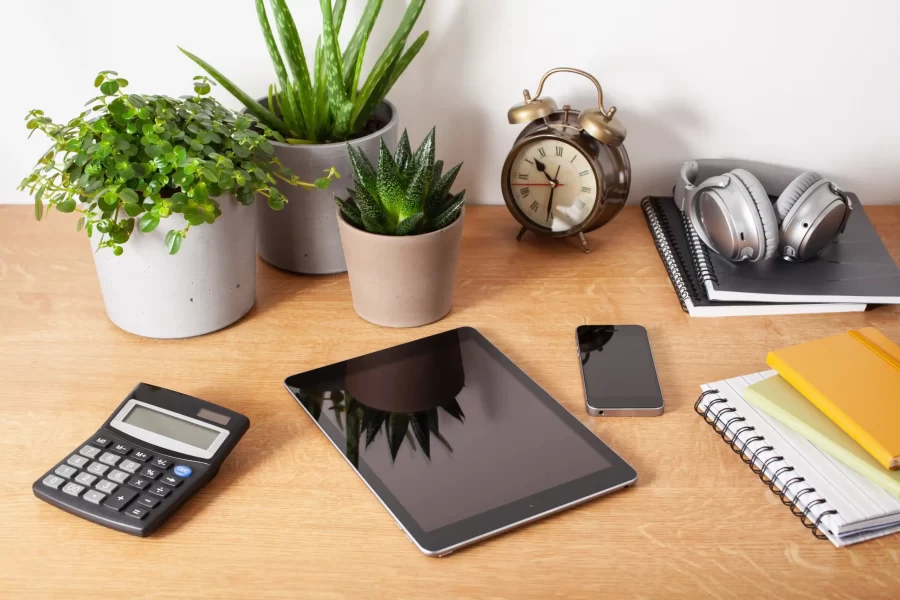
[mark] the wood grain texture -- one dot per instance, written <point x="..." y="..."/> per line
<point x="286" y="517"/>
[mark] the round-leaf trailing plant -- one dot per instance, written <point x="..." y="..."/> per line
<point x="408" y="195"/>
<point x="132" y="160"/>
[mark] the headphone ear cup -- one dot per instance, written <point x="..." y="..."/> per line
<point x="793" y="192"/>
<point x="756" y="196"/>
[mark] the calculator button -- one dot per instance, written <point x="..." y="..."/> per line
<point x="139" y="483"/>
<point x="89" y="451"/>
<point x="137" y="512"/>
<point x="101" y="440"/>
<point x="148" y="501"/>
<point x="183" y="471"/>
<point x="106" y="486"/>
<point x="117" y="476"/>
<point x="109" y="458"/>
<point x="118" y="500"/>
<point x="162" y="463"/>
<point x="85" y="479"/>
<point x="53" y="481"/>
<point x="129" y="465"/>
<point x="65" y="471"/>
<point x="73" y="489"/>
<point x="94" y="497"/>
<point x="141" y="455"/>
<point x="150" y="472"/>
<point x="77" y="461"/>
<point x="160" y="490"/>
<point x="169" y="480"/>
<point x="121" y="449"/>
<point x="97" y="469"/>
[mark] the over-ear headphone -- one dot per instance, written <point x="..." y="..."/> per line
<point x="732" y="213"/>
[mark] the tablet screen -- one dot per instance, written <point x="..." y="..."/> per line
<point x="446" y="427"/>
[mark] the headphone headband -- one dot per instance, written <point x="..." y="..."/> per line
<point x="774" y="178"/>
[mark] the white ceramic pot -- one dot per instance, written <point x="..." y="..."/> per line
<point x="209" y="284"/>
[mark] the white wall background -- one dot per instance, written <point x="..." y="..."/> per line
<point x="808" y="83"/>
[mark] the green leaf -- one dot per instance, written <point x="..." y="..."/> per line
<point x="118" y="250"/>
<point x="290" y="110"/>
<point x="410" y="225"/>
<point x="450" y="214"/>
<point x="38" y="208"/>
<point x="109" y="87"/>
<point x="390" y="189"/>
<point x="133" y="210"/>
<point x="79" y="225"/>
<point x="293" y="49"/>
<point x="353" y="53"/>
<point x="322" y="183"/>
<point x="404" y="152"/>
<point x="148" y="222"/>
<point x="414" y="201"/>
<point x="276" y="199"/>
<point x="254" y="107"/>
<point x="441" y="188"/>
<point x="372" y="213"/>
<point x="404" y="61"/>
<point x="66" y="206"/>
<point x="339" y="6"/>
<point x="128" y="195"/>
<point x="341" y="107"/>
<point x="173" y="241"/>
<point x="350" y="212"/>
<point x="363" y="171"/>
<point x="98" y="80"/>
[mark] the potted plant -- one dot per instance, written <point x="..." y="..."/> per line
<point x="131" y="162"/>
<point x="316" y="112"/>
<point x="400" y="229"/>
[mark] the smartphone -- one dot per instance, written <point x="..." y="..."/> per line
<point x="618" y="372"/>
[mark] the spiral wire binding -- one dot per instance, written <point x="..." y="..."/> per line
<point x="740" y="447"/>
<point x="671" y="257"/>
<point x="699" y="252"/>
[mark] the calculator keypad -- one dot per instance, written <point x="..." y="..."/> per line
<point x="112" y="476"/>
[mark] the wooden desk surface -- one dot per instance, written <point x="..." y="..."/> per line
<point x="286" y="517"/>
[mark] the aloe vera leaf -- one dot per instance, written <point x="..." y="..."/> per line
<point x="293" y="48"/>
<point x="411" y="225"/>
<point x="350" y="212"/>
<point x="365" y="113"/>
<point x="363" y="171"/>
<point x="387" y="59"/>
<point x="338" y="12"/>
<point x="271" y="102"/>
<point x="321" y="90"/>
<point x="451" y="213"/>
<point x="390" y="189"/>
<point x="341" y="107"/>
<point x="404" y="61"/>
<point x="354" y="86"/>
<point x="291" y="111"/>
<point x="404" y="152"/>
<point x="440" y="189"/>
<point x="353" y="54"/>
<point x="414" y="202"/>
<point x="372" y="213"/>
<point x="253" y="107"/>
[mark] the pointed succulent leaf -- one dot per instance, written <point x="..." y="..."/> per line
<point x="350" y="212"/>
<point x="450" y="214"/>
<point x="424" y="156"/>
<point x="370" y="210"/>
<point x="291" y="110"/>
<point x="454" y="410"/>
<point x="405" y="59"/>
<point x="411" y="225"/>
<point x="338" y="11"/>
<point x="390" y="189"/>
<point x="363" y="171"/>
<point x="341" y="107"/>
<point x="353" y="426"/>
<point x="419" y="422"/>
<point x="414" y="202"/>
<point x="404" y="152"/>
<point x="353" y="55"/>
<point x="362" y="113"/>
<point x="296" y="61"/>
<point x="398" y="423"/>
<point x="373" y="420"/>
<point x="436" y="173"/>
<point x="438" y="194"/>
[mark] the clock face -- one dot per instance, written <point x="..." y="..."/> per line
<point x="553" y="184"/>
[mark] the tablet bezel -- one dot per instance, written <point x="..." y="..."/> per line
<point x="444" y="540"/>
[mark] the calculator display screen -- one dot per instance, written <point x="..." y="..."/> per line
<point x="171" y="427"/>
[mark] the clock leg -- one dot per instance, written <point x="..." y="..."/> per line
<point x="521" y="233"/>
<point x="584" y="243"/>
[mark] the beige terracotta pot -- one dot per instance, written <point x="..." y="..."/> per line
<point x="401" y="281"/>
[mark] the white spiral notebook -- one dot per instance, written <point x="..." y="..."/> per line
<point x="831" y="499"/>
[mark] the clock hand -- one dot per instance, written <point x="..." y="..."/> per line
<point x="552" y="189"/>
<point x="542" y="168"/>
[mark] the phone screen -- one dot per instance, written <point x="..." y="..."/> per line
<point x="617" y="368"/>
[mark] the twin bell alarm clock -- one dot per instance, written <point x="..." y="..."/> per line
<point x="568" y="172"/>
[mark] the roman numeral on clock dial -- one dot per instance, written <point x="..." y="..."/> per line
<point x="525" y="192"/>
<point x="586" y="190"/>
<point x="534" y="206"/>
<point x="523" y="176"/>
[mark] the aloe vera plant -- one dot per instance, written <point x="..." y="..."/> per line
<point x="331" y="102"/>
<point x="409" y="194"/>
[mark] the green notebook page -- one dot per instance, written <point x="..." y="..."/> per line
<point x="778" y="399"/>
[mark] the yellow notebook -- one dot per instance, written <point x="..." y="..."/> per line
<point x="780" y="400"/>
<point x="854" y="378"/>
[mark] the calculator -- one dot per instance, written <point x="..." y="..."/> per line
<point x="156" y="450"/>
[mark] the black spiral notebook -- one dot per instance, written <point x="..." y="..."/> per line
<point x="688" y="266"/>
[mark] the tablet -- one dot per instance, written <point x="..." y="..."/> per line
<point x="456" y="442"/>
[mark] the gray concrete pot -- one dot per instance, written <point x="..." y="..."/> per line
<point x="402" y="281"/>
<point x="303" y="237"/>
<point x="209" y="284"/>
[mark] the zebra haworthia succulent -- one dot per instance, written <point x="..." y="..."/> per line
<point x="409" y="194"/>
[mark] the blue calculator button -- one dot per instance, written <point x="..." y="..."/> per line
<point x="183" y="471"/>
